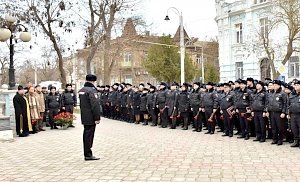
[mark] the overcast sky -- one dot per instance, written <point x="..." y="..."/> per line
<point x="198" y="17"/>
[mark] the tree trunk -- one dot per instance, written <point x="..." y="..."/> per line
<point x="107" y="62"/>
<point x="60" y="62"/>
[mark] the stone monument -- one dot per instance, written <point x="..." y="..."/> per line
<point x="7" y="114"/>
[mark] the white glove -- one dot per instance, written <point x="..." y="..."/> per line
<point x="97" y="122"/>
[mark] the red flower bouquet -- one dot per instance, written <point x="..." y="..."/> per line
<point x="64" y="118"/>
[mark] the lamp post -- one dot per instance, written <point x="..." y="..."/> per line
<point x="7" y="32"/>
<point x="182" y="47"/>
<point x="202" y="65"/>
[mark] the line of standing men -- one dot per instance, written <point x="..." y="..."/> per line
<point x="268" y="109"/>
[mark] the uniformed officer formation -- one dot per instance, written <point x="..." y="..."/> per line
<point x="264" y="110"/>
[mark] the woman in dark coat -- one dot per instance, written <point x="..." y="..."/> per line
<point x="23" y="122"/>
<point x="136" y="101"/>
<point x="143" y="106"/>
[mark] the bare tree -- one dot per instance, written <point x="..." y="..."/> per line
<point x="54" y="19"/>
<point x="4" y="70"/>
<point x="285" y="13"/>
<point x="104" y="16"/>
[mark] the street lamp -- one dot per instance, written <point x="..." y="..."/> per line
<point x="182" y="47"/>
<point x="9" y="27"/>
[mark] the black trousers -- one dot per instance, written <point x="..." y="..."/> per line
<point x="228" y="124"/>
<point x="130" y="115"/>
<point x="69" y="108"/>
<point x="154" y="115"/>
<point x="210" y="125"/>
<point x="197" y="119"/>
<point x="260" y="125"/>
<point x="277" y="126"/>
<point x="185" y="117"/>
<point x="244" y="123"/>
<point x="52" y="113"/>
<point x="124" y="115"/>
<point x="105" y="110"/>
<point x="88" y="138"/>
<point x="164" y="117"/>
<point x="295" y="124"/>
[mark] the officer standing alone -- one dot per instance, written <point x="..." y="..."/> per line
<point x="90" y="114"/>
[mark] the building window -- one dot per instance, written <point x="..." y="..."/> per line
<point x="294" y="66"/>
<point x="127" y="57"/>
<point x="128" y="79"/>
<point x="239" y="70"/>
<point x="239" y="33"/>
<point x="264" y="27"/>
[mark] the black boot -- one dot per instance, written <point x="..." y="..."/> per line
<point x="295" y="144"/>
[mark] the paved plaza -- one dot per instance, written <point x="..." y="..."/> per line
<point x="132" y="152"/>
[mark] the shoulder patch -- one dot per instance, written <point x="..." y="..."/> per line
<point x="81" y="93"/>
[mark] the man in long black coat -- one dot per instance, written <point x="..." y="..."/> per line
<point x="20" y="105"/>
<point x="90" y="114"/>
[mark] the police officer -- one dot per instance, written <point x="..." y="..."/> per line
<point x="209" y="106"/>
<point x="195" y="102"/>
<point x="69" y="100"/>
<point x="277" y="109"/>
<point x="226" y="102"/>
<point x="151" y="105"/>
<point x="90" y="114"/>
<point x="294" y="112"/>
<point x="143" y="106"/>
<point x="236" y="118"/>
<point x="171" y="99"/>
<point x="104" y="101"/>
<point x="258" y="108"/>
<point x="288" y="134"/>
<point x="123" y="102"/>
<point x="53" y="105"/>
<point x="242" y="104"/>
<point x="114" y="101"/>
<point x="183" y="105"/>
<point x="161" y="104"/>
<point x="136" y="101"/>
<point x="129" y="103"/>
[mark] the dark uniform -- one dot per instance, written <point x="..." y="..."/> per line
<point x="143" y="107"/>
<point x="196" y="102"/>
<point x="242" y="104"/>
<point x="129" y="106"/>
<point x="171" y="99"/>
<point x="294" y="112"/>
<point x="136" y="101"/>
<point x="114" y="103"/>
<point x="277" y="105"/>
<point x="90" y="112"/>
<point x="123" y="103"/>
<point x="53" y="105"/>
<point x="161" y="102"/>
<point x="183" y="105"/>
<point x="258" y="107"/>
<point x="151" y="105"/>
<point x="104" y="101"/>
<point x="69" y="101"/>
<point x="226" y="102"/>
<point x="209" y="103"/>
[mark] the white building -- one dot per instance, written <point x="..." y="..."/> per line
<point x="241" y="55"/>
